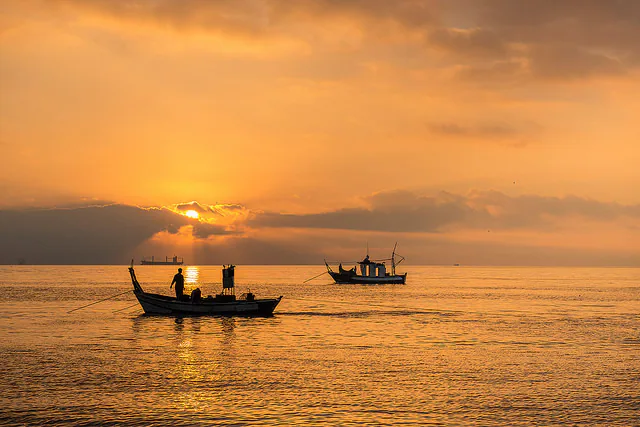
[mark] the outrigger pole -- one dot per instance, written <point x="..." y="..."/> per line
<point x="315" y="277"/>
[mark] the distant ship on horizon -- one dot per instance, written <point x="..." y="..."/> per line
<point x="173" y="261"/>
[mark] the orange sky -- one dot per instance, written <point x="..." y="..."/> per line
<point x="312" y="107"/>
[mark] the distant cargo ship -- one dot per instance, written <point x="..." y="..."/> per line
<point x="173" y="261"/>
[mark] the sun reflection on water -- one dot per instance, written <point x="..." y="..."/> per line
<point x="194" y="368"/>
<point x="192" y="275"/>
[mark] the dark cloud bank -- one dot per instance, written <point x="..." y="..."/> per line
<point x="87" y="235"/>
<point x="113" y="234"/>
<point x="403" y="211"/>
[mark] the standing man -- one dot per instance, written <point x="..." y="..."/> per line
<point x="178" y="279"/>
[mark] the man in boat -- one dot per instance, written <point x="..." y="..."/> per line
<point x="178" y="279"/>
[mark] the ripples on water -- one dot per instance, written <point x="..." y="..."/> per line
<point x="455" y="346"/>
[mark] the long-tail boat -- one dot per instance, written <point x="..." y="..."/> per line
<point x="224" y="304"/>
<point x="371" y="271"/>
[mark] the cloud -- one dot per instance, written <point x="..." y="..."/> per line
<point x="258" y="250"/>
<point x="214" y="220"/>
<point x="84" y="202"/>
<point x="203" y="230"/>
<point x="534" y="13"/>
<point x="430" y="228"/>
<point x="502" y="72"/>
<point x="559" y="39"/>
<point x="239" y="17"/>
<point x="418" y="215"/>
<point x="568" y="62"/>
<point x="487" y="40"/>
<point x="256" y="17"/>
<point x="193" y="206"/>
<point x="490" y="131"/>
<point x="229" y="207"/>
<point x="402" y="211"/>
<point x="79" y="235"/>
<point x="474" y="42"/>
<point x="96" y="234"/>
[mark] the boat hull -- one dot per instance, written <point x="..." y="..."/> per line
<point x="398" y="279"/>
<point x="162" y="305"/>
<point x="161" y="263"/>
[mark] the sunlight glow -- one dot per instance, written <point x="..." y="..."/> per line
<point x="192" y="274"/>
<point x="192" y="214"/>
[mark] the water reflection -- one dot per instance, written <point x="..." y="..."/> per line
<point x="512" y="352"/>
<point x="228" y="331"/>
<point x="200" y="361"/>
<point x="192" y="275"/>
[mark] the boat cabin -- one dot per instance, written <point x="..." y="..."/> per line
<point x="373" y="269"/>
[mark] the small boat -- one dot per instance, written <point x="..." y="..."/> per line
<point x="371" y="271"/>
<point x="223" y="304"/>
<point x="173" y="261"/>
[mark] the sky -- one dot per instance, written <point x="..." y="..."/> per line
<point x="479" y="132"/>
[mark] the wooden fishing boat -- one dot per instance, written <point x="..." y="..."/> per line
<point x="223" y="304"/>
<point x="371" y="271"/>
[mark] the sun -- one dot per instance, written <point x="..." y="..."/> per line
<point x="192" y="214"/>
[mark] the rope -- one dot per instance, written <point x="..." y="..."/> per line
<point x="315" y="277"/>
<point x="84" y="306"/>
<point x="123" y="309"/>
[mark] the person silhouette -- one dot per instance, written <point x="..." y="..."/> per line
<point x="178" y="279"/>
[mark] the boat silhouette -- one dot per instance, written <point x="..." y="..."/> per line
<point x="223" y="304"/>
<point x="174" y="261"/>
<point x="371" y="271"/>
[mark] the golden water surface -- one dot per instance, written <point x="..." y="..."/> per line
<point x="454" y="346"/>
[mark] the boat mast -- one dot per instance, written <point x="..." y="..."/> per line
<point x="393" y="259"/>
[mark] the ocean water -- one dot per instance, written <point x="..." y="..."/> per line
<point x="454" y="346"/>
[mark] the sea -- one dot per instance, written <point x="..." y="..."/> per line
<point x="454" y="346"/>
